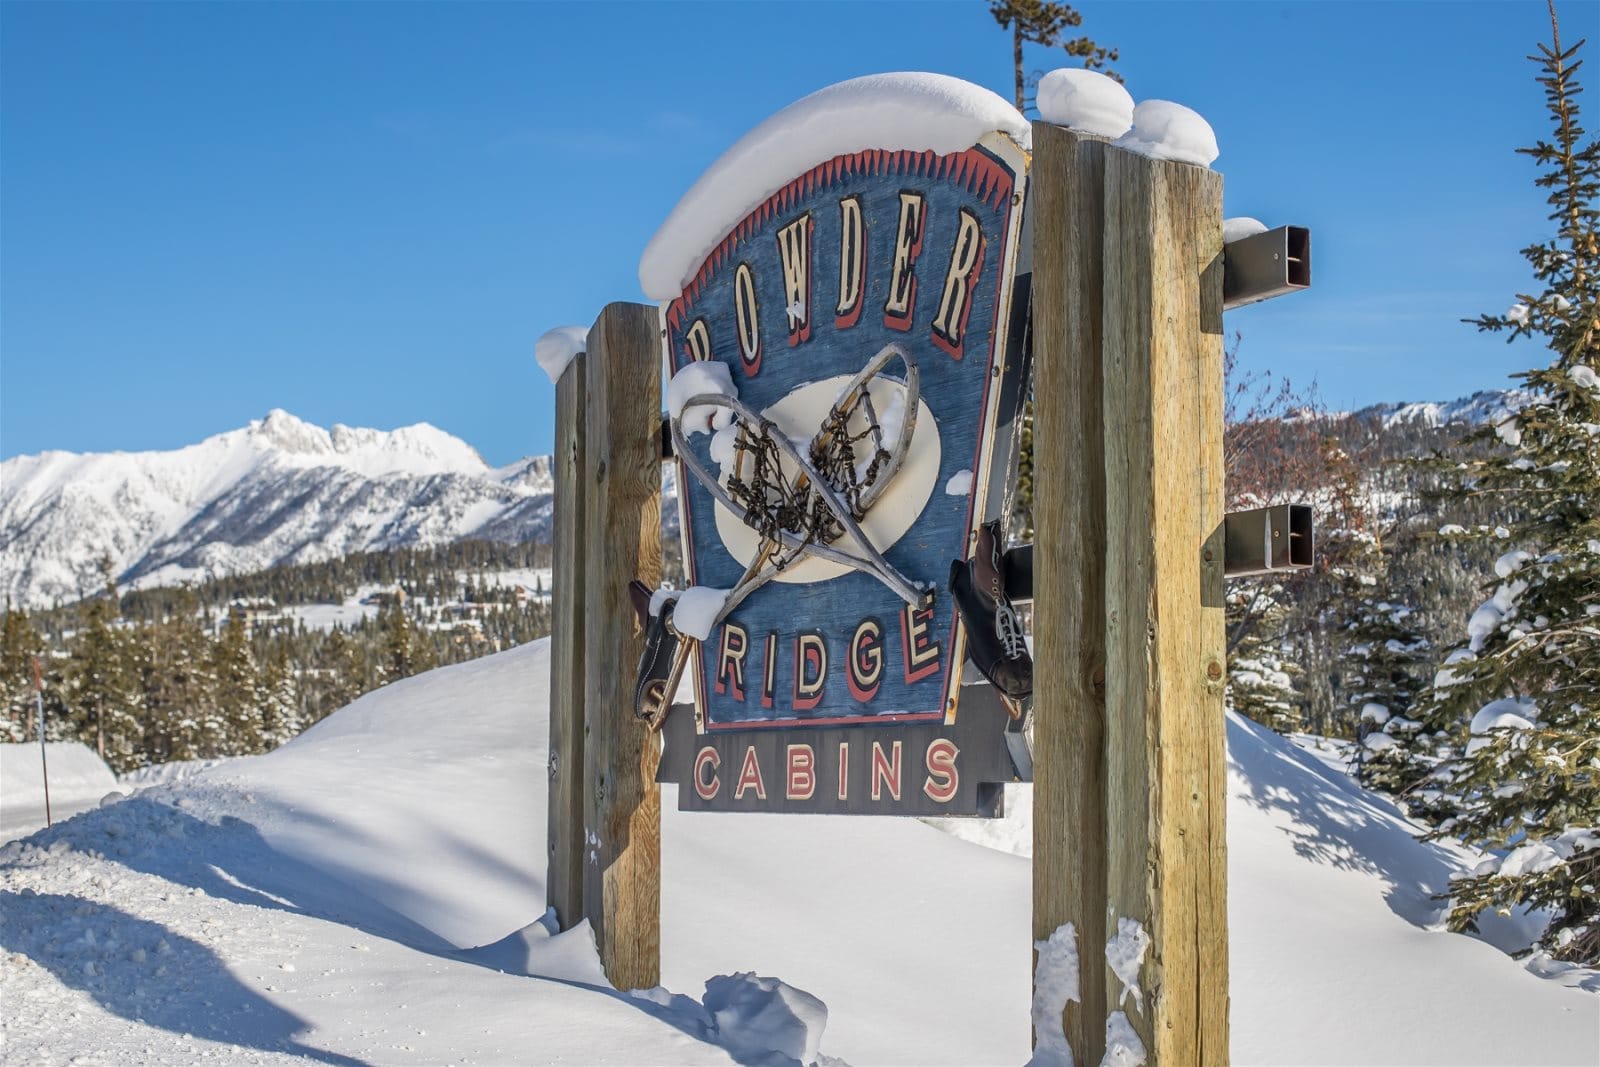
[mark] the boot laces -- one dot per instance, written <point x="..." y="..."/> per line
<point x="1009" y="628"/>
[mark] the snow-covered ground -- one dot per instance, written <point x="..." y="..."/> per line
<point x="363" y="603"/>
<point x="78" y="781"/>
<point x="369" y="892"/>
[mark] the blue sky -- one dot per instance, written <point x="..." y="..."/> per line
<point x="366" y="213"/>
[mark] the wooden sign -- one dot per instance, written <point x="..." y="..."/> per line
<point x="915" y="250"/>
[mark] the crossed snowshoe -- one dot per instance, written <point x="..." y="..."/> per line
<point x="815" y="511"/>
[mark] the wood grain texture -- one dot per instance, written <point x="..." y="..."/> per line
<point x="622" y="803"/>
<point x="1069" y="838"/>
<point x="564" y="873"/>
<point x="1164" y="679"/>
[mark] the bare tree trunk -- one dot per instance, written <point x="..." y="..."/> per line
<point x="1016" y="55"/>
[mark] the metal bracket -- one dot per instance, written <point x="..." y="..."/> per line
<point x="1265" y="265"/>
<point x="1266" y="540"/>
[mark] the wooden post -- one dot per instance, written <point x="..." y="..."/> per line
<point x="564" y="877"/>
<point x="1165" y="759"/>
<point x="622" y="803"/>
<point x="1069" y="837"/>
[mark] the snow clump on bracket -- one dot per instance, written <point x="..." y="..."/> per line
<point x="1086" y="101"/>
<point x="1238" y="229"/>
<point x="908" y="111"/>
<point x="559" y="347"/>
<point x="1165" y="130"/>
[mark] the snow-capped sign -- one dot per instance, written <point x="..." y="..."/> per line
<point x="861" y="310"/>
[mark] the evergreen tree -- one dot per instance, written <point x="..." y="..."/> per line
<point x="19" y="644"/>
<point x="1263" y="672"/>
<point x="178" y="682"/>
<point x="406" y="650"/>
<point x="1524" y="691"/>
<point x="102" y="694"/>
<point x="1382" y="667"/>
<point x="1044" y="22"/>
<point x="235" y="726"/>
<point x="279" y="701"/>
<point x="339" y="673"/>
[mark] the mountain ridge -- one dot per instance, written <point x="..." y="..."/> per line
<point x="278" y="490"/>
<point x="282" y="490"/>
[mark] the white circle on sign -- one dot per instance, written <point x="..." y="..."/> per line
<point x="799" y="415"/>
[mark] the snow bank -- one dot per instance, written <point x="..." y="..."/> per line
<point x="1085" y="100"/>
<point x="78" y="779"/>
<point x="915" y="112"/>
<point x="758" y="1016"/>
<point x="75" y="773"/>
<point x="400" y="795"/>
<point x="306" y="894"/>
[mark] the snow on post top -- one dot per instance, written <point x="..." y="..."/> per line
<point x="908" y="111"/>
<point x="1165" y="130"/>
<point x="558" y="347"/>
<point x="1085" y="100"/>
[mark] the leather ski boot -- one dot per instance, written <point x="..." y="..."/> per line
<point x="994" y="633"/>
<point x="666" y="653"/>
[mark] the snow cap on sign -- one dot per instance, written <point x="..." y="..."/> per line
<point x="559" y="347"/>
<point x="1085" y="100"/>
<point x="1165" y="130"/>
<point x="907" y="111"/>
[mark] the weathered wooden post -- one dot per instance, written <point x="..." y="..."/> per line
<point x="564" y="878"/>
<point x="1129" y="764"/>
<point x="1069" y="842"/>
<point x="1165" y="765"/>
<point x="622" y="538"/>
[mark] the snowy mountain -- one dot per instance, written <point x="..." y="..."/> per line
<point x="284" y="491"/>
<point x="372" y="892"/>
<point x="277" y="491"/>
<point x="1491" y="406"/>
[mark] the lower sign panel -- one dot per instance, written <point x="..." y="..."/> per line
<point x="902" y="769"/>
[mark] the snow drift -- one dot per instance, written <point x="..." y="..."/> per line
<point x="321" y="902"/>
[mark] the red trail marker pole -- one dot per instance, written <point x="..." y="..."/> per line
<point x="44" y="763"/>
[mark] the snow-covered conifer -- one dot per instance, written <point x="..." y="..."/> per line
<point x="1262" y="668"/>
<point x="1523" y="692"/>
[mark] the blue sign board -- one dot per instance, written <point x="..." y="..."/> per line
<point x="876" y="248"/>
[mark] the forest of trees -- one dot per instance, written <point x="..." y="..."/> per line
<point x="222" y="669"/>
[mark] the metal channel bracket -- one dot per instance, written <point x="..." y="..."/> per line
<point x="1266" y="540"/>
<point x="1265" y="265"/>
